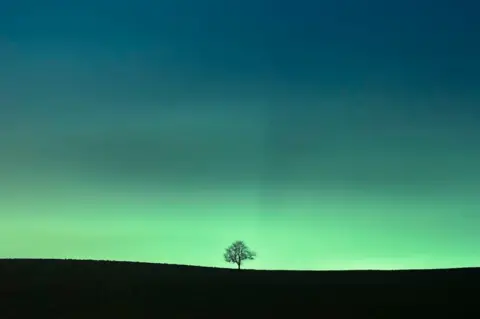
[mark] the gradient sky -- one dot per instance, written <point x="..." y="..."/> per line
<point x="332" y="134"/>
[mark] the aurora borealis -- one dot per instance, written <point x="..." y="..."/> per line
<point x="325" y="134"/>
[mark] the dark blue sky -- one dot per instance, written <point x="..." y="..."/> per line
<point x="357" y="116"/>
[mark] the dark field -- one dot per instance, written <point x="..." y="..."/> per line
<point x="102" y="289"/>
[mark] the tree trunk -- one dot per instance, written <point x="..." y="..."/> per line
<point x="238" y="266"/>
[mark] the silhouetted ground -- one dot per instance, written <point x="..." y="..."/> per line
<point x="104" y="289"/>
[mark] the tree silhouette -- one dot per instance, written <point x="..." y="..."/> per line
<point x="237" y="252"/>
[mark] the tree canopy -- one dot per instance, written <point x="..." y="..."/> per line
<point x="237" y="253"/>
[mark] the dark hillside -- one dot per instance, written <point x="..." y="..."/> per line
<point x="91" y="289"/>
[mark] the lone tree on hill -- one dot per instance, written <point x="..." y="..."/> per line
<point x="237" y="252"/>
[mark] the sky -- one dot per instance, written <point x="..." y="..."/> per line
<point x="334" y="134"/>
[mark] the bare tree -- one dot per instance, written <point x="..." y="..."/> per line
<point x="238" y="252"/>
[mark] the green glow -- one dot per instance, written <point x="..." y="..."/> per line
<point x="330" y="231"/>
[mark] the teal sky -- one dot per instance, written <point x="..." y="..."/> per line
<point x="325" y="134"/>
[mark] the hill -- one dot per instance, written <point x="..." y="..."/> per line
<point x="108" y="289"/>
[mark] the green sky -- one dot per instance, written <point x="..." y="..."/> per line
<point x="346" y="141"/>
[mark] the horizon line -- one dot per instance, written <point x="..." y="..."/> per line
<point x="244" y="269"/>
